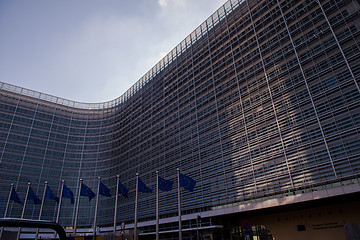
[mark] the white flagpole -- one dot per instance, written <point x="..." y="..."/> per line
<point x="136" y="203"/>
<point x="77" y="206"/>
<point x="23" y="211"/>
<point x="60" y="198"/>
<point x="8" y="201"/>
<point x="96" y="207"/>
<point x="41" y="208"/>
<point x="60" y="201"/>
<point x="7" y="207"/>
<point x="179" y="205"/>
<point x="116" y="202"/>
<point x="157" y="205"/>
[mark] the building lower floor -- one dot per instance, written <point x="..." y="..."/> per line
<point x="331" y="218"/>
<point x="336" y="218"/>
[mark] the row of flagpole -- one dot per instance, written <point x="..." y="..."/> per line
<point x="83" y="190"/>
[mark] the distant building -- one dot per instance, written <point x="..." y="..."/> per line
<point x="260" y="105"/>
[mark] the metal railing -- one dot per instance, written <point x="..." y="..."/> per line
<point x="17" y="222"/>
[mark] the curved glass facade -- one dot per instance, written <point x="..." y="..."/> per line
<point x="261" y="101"/>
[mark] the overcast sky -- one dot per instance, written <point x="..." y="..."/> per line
<point x="91" y="50"/>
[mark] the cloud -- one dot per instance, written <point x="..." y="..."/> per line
<point x="173" y="4"/>
<point x="163" y="3"/>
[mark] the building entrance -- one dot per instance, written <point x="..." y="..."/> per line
<point x="246" y="231"/>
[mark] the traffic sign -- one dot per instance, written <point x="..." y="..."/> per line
<point x="122" y="227"/>
<point x="246" y="225"/>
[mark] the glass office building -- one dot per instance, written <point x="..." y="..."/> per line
<point x="260" y="102"/>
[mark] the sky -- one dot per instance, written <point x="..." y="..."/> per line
<point x="91" y="51"/>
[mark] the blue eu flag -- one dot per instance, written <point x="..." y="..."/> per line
<point x="187" y="182"/>
<point x="165" y="185"/>
<point x="143" y="188"/>
<point x="123" y="190"/>
<point x="86" y="192"/>
<point x="32" y="196"/>
<point x="67" y="193"/>
<point x="50" y="195"/>
<point x="15" y="197"/>
<point x="104" y="190"/>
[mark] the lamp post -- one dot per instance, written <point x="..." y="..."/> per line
<point x="198" y="218"/>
